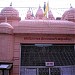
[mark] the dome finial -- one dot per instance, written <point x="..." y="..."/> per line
<point x="71" y="6"/>
<point x="39" y="6"/>
<point x="32" y="13"/>
<point x="11" y="4"/>
<point x="29" y="8"/>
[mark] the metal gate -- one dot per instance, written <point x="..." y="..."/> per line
<point x="41" y="70"/>
<point x="35" y="56"/>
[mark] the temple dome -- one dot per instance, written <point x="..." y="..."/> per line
<point x="50" y="16"/>
<point x="9" y="11"/>
<point x="6" y="28"/>
<point x="7" y="25"/>
<point x="39" y="13"/>
<point x="29" y="15"/>
<point x="69" y="15"/>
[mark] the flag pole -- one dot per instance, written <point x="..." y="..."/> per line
<point x="44" y="6"/>
<point x="48" y="5"/>
<point x="48" y="8"/>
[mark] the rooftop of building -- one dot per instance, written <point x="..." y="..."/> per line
<point x="39" y="23"/>
<point x="13" y="12"/>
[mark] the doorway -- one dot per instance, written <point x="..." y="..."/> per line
<point x="34" y="57"/>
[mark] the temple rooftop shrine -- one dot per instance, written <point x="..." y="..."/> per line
<point x="38" y="23"/>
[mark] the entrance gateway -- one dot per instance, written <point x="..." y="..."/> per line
<point x="34" y="59"/>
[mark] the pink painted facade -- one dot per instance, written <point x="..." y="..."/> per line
<point x="38" y="29"/>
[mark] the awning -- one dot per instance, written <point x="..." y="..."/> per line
<point x="4" y="66"/>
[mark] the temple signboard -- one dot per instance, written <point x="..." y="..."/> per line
<point x="48" y="38"/>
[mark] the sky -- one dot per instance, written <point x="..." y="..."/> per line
<point x="57" y="7"/>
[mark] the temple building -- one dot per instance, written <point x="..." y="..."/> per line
<point x="37" y="45"/>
